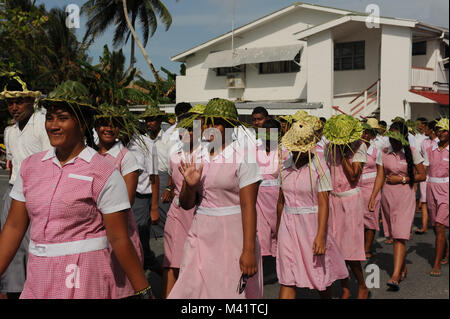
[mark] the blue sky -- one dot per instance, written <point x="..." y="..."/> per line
<point x="197" y="21"/>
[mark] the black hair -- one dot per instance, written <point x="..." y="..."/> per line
<point x="220" y="121"/>
<point x="403" y="129"/>
<point x="182" y="108"/>
<point x="382" y="123"/>
<point x="260" y="110"/>
<point x="423" y="120"/>
<point x="324" y="120"/>
<point x="431" y="125"/>
<point x="271" y="123"/>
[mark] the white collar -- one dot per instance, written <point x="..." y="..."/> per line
<point x="436" y="146"/>
<point x="86" y="154"/>
<point x="115" y="150"/>
<point x="371" y="148"/>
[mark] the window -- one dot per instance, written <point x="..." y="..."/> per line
<point x="419" y="48"/>
<point x="224" y="71"/>
<point x="349" y="56"/>
<point x="280" y="66"/>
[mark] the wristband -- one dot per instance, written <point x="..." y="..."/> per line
<point x="146" y="293"/>
<point x="403" y="180"/>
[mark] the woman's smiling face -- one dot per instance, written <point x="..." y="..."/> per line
<point x="63" y="128"/>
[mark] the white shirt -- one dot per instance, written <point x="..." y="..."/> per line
<point x="129" y="163"/>
<point x="31" y="140"/>
<point x="419" y="140"/>
<point x="112" y="198"/>
<point x="162" y="144"/>
<point x="146" y="154"/>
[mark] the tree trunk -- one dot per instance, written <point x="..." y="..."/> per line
<point x="133" y="32"/>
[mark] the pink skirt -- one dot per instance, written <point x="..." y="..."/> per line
<point x="176" y="230"/>
<point x="346" y="222"/>
<point x="266" y="208"/>
<point x="399" y="204"/>
<point x="296" y="264"/>
<point x="79" y="276"/>
<point x="437" y="202"/>
<point x="210" y="265"/>
<point x="371" y="219"/>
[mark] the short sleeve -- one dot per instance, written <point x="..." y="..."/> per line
<point x="129" y="164"/>
<point x="379" y="159"/>
<point x="154" y="164"/>
<point x="17" y="190"/>
<point x="417" y="158"/>
<point x="114" y="195"/>
<point x="426" y="160"/>
<point x="360" y="155"/>
<point x="248" y="172"/>
<point x="324" y="181"/>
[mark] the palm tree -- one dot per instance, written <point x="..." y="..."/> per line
<point x="102" y="14"/>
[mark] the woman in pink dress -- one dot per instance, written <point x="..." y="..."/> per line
<point x="221" y="257"/>
<point x="437" y="192"/>
<point x="178" y="220"/>
<point x="76" y="203"/>
<point x="346" y="156"/>
<point x="267" y="158"/>
<point x="368" y="176"/>
<point x="307" y="255"/>
<point x="114" y="127"/>
<point x="402" y="167"/>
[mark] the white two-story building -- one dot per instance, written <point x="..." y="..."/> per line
<point x="324" y="60"/>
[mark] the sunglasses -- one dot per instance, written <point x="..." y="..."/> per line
<point x="242" y="283"/>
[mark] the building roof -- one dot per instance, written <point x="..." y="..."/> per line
<point x="181" y="56"/>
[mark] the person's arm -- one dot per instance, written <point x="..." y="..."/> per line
<point x="131" y="180"/>
<point x="13" y="232"/>
<point x="320" y="244"/>
<point x="280" y="207"/>
<point x="378" y="185"/>
<point x="247" y="261"/>
<point x="154" y="210"/>
<point x="117" y="231"/>
<point x="168" y="194"/>
<point x="352" y="170"/>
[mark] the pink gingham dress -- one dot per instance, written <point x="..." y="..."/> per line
<point x="126" y="163"/>
<point x="210" y="265"/>
<point x="397" y="201"/>
<point x="296" y="264"/>
<point x="437" y="185"/>
<point x="65" y="205"/>
<point x="368" y="176"/>
<point x="346" y="220"/>
<point x="266" y="203"/>
<point x="178" y="220"/>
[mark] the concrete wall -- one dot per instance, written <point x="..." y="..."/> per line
<point x="395" y="70"/>
<point x="427" y="110"/>
<point x="320" y="71"/>
<point x="203" y="84"/>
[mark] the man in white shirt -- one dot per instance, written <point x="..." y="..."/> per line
<point x="26" y="137"/>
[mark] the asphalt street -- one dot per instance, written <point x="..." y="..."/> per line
<point x="418" y="284"/>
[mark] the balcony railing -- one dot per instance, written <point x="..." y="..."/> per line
<point x="422" y="78"/>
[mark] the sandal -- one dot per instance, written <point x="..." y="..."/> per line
<point x="393" y="285"/>
<point x="369" y="255"/>
<point x="388" y="241"/>
<point x="435" y="273"/>
<point x="444" y="261"/>
<point x="420" y="232"/>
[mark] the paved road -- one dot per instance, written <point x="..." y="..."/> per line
<point x="418" y="284"/>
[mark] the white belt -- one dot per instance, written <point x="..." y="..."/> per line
<point x="369" y="175"/>
<point x="176" y="200"/>
<point x="438" y="180"/>
<point x="68" y="248"/>
<point x="220" y="211"/>
<point x="301" y="210"/>
<point x="347" y="193"/>
<point x="270" y="182"/>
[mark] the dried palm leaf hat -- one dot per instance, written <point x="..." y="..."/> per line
<point x="299" y="138"/>
<point x="443" y="124"/>
<point x="343" y="129"/>
<point x="186" y="120"/>
<point x="197" y="109"/>
<point x="315" y="122"/>
<point x="399" y="119"/>
<point x="412" y="126"/>
<point x="299" y="115"/>
<point x="16" y="88"/>
<point x="373" y="123"/>
<point x="73" y="96"/>
<point x="119" y="116"/>
<point x="152" y="111"/>
<point x="396" y="135"/>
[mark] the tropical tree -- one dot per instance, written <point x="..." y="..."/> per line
<point x="102" y="14"/>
